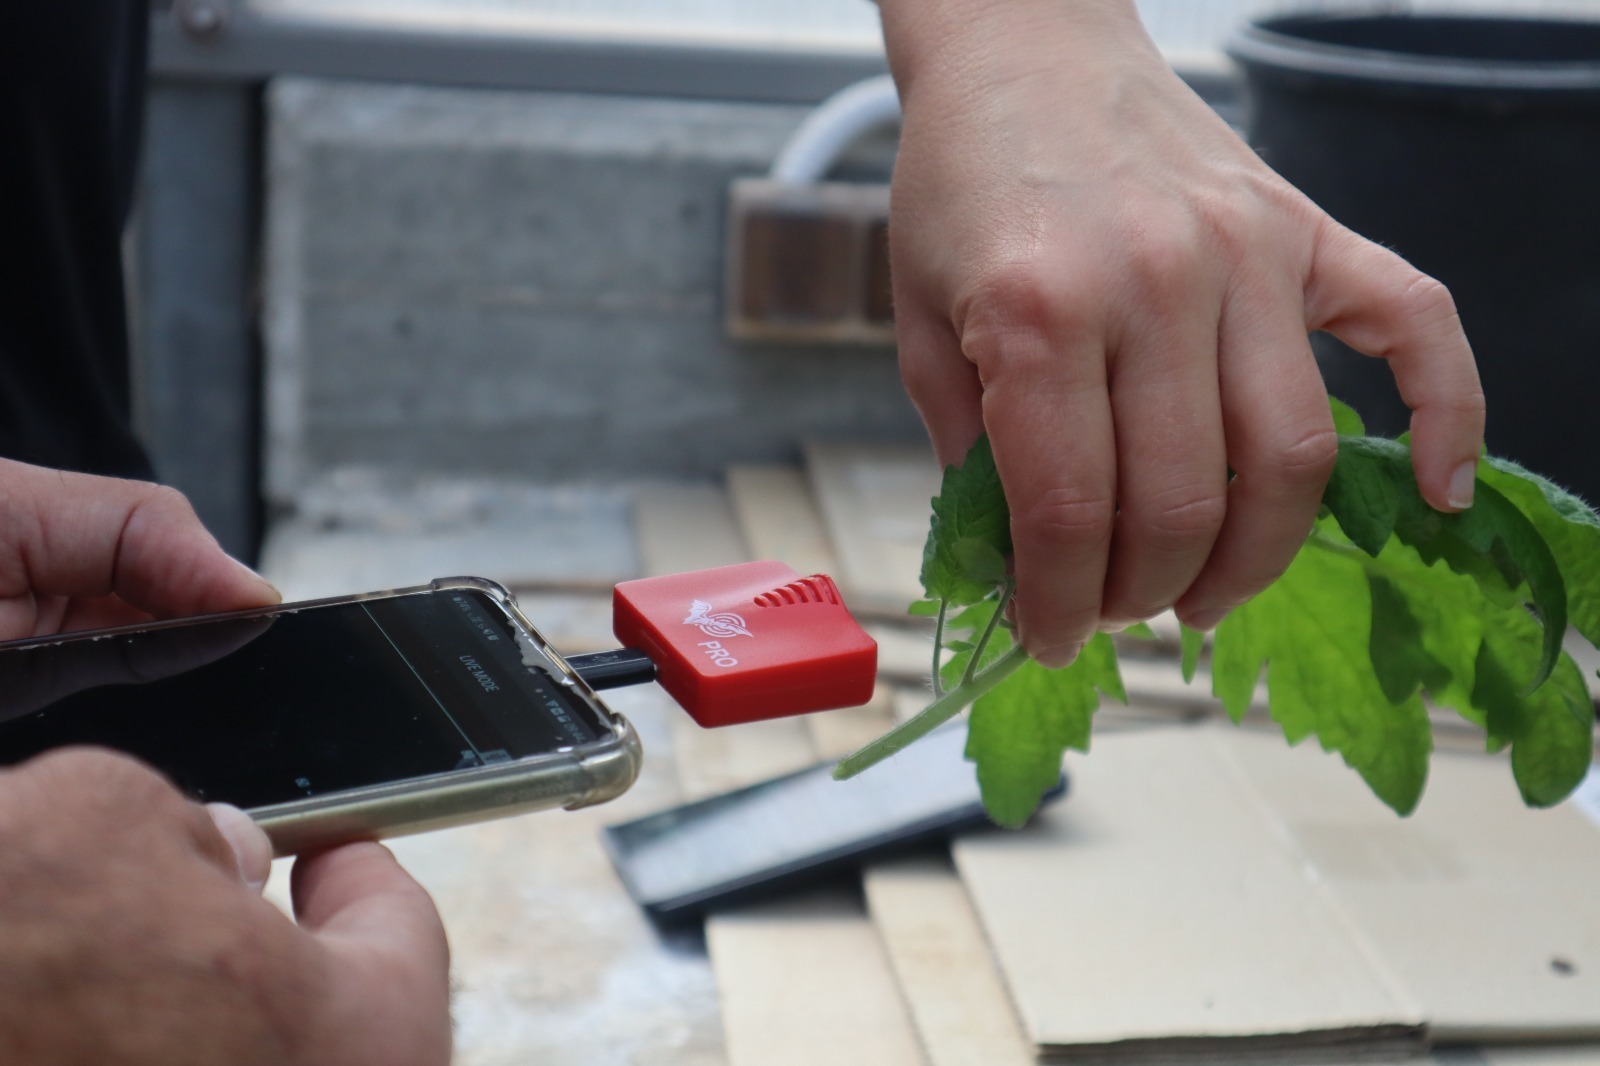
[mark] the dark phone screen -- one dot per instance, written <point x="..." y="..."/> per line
<point x="300" y="703"/>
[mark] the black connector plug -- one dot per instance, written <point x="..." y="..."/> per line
<point x="613" y="669"/>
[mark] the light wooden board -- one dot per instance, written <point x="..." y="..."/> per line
<point x="1484" y="909"/>
<point x="835" y="734"/>
<point x="947" y="975"/>
<point x="874" y="500"/>
<point x="685" y="527"/>
<point x="711" y="761"/>
<point x="779" y="520"/>
<point x="905" y="653"/>
<point x="806" y="982"/>
<point x="1161" y="910"/>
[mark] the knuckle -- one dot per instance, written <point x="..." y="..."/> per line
<point x="167" y="502"/>
<point x="1167" y="257"/>
<point x="1305" y="457"/>
<point x="1427" y="300"/>
<point x="1182" y="518"/>
<point x="1012" y="306"/>
<point x="1064" y="521"/>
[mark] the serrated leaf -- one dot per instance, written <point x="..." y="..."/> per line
<point x="1434" y="631"/>
<point x="970" y="510"/>
<point x="1311" y="633"/>
<point x="980" y="561"/>
<point x="1020" y="731"/>
<point x="1345" y="420"/>
<point x="1388" y="603"/>
<point x="1362" y="494"/>
<point x="1192" y="642"/>
<point x="1140" y="631"/>
<point x="1570" y="528"/>
<point x="1372" y="495"/>
<point x="1550" y="730"/>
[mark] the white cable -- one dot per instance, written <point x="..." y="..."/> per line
<point x="836" y="123"/>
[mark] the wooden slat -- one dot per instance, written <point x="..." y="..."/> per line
<point x="718" y="760"/>
<point x="779" y="520"/>
<point x="905" y="653"/>
<point x="805" y="982"/>
<point x="685" y="527"/>
<point x="874" y="499"/>
<point x="835" y="734"/>
<point x="949" y="979"/>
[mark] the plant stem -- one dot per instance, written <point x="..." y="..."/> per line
<point x="988" y="632"/>
<point x="934" y="715"/>
<point x="938" y="647"/>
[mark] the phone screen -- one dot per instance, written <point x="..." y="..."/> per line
<point x="304" y="702"/>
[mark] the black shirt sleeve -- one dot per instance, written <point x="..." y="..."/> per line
<point x="72" y="80"/>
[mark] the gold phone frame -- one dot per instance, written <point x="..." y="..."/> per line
<point x="568" y="777"/>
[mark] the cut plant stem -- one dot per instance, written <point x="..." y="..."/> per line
<point x="988" y="632"/>
<point x="933" y="716"/>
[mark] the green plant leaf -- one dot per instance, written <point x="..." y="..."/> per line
<point x="1020" y="730"/>
<point x="969" y="516"/>
<point x="1345" y="420"/>
<point x="1570" y="528"/>
<point x="1373" y="496"/>
<point x="1191" y="642"/>
<point x="1388" y="603"/>
<point x="1310" y="631"/>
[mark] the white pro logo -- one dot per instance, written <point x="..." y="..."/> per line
<point x="718" y="624"/>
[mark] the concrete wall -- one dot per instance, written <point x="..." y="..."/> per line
<point x="528" y="285"/>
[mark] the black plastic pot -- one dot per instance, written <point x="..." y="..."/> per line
<point x="1471" y="146"/>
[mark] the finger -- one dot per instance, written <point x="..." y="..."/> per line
<point x="1380" y="305"/>
<point x="940" y="380"/>
<point x="77" y="535"/>
<point x="1281" y="445"/>
<point x="251" y="848"/>
<point x="1049" y="421"/>
<point x="388" y="952"/>
<point x="1171" y="461"/>
<point x="359" y="893"/>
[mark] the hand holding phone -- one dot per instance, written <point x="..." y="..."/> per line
<point x="116" y="882"/>
<point x="368" y="715"/>
<point x="332" y="720"/>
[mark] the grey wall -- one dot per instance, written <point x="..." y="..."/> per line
<point x="528" y="285"/>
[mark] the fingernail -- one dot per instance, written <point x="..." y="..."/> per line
<point x="1114" y="627"/>
<point x="258" y="579"/>
<point x="1206" y="620"/>
<point x="1462" y="485"/>
<point x="252" y="852"/>
<point x="1057" y="657"/>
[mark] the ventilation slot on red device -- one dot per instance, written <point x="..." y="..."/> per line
<point x="818" y="588"/>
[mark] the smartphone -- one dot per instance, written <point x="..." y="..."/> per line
<point x="333" y="720"/>
<point x="798" y="829"/>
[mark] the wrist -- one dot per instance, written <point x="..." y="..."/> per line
<point x="946" y="35"/>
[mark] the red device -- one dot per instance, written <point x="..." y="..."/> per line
<point x="748" y="642"/>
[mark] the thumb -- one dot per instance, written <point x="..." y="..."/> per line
<point x="388" y="955"/>
<point x="251" y="848"/>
